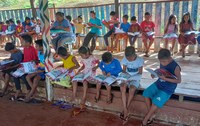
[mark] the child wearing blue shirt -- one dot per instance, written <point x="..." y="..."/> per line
<point x="109" y="67"/>
<point x="34" y="78"/>
<point x="157" y="94"/>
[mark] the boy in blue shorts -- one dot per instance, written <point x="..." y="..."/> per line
<point x="157" y="94"/>
<point x="34" y="78"/>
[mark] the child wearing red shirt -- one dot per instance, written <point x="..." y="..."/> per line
<point x="147" y="26"/>
<point x="19" y="29"/>
<point x="30" y="54"/>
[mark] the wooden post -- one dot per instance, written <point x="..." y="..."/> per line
<point x="117" y="8"/>
<point x="33" y="9"/>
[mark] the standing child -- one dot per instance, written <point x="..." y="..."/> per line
<point x="34" y="78"/>
<point x="109" y="67"/>
<point x="80" y="28"/>
<point x="158" y="93"/>
<point x="172" y="27"/>
<point x="17" y="56"/>
<point x="111" y="24"/>
<point x="135" y="27"/>
<point x="147" y="26"/>
<point x="89" y="64"/>
<point x="184" y="39"/>
<point x="125" y="27"/>
<point x="133" y="66"/>
<point x="69" y="61"/>
<point x="30" y="54"/>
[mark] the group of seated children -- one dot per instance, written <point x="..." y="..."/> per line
<point x="147" y="29"/>
<point x="156" y="95"/>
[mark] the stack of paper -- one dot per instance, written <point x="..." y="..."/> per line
<point x="133" y="33"/>
<point x="192" y="32"/>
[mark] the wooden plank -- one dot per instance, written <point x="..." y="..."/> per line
<point x="21" y="15"/>
<point x="16" y="14"/>
<point x="194" y="13"/>
<point x="1" y="17"/>
<point x="176" y="10"/>
<point x="185" y="7"/>
<point x="97" y="12"/>
<point x="132" y="10"/>
<point x="79" y="11"/>
<point x="140" y="13"/>
<point x="149" y="8"/>
<point x="125" y="9"/>
<point x="103" y="17"/>
<point x="74" y="15"/>
<point x="86" y="14"/>
<point x="158" y="25"/>
<point x="112" y="8"/>
<point x="12" y="14"/>
<point x="29" y="13"/>
<point x="8" y="14"/>
<point x="4" y="15"/>
<point x="167" y="13"/>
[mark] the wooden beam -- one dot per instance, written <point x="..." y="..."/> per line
<point x="33" y="9"/>
<point x="117" y="8"/>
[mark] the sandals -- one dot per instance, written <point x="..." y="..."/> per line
<point x="97" y="99"/>
<point x="110" y="100"/>
<point x="121" y="116"/>
<point x="66" y="106"/>
<point x="58" y="103"/>
<point x="149" y="122"/>
<point x="125" y="120"/>
<point x="77" y="111"/>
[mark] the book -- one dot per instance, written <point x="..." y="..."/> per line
<point x="133" y="33"/>
<point x="161" y="72"/>
<point x="57" y="74"/>
<point x="104" y="79"/>
<point x="18" y="73"/>
<point x="5" y="63"/>
<point x="29" y="67"/>
<point x="150" y="33"/>
<point x="119" y="31"/>
<point x="9" y="32"/>
<point x="125" y="77"/>
<point x="81" y="77"/>
<point x="170" y="35"/>
<point x="192" y="32"/>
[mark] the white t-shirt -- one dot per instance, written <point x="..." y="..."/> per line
<point x="133" y="66"/>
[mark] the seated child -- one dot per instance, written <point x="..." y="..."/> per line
<point x="147" y="26"/>
<point x="133" y="66"/>
<point x="17" y="56"/>
<point x="80" y="28"/>
<point x="19" y="29"/>
<point x="172" y="27"/>
<point x="109" y="66"/>
<point x="69" y="61"/>
<point x="135" y="27"/>
<point x="30" y="55"/>
<point x="158" y="93"/>
<point x="69" y="18"/>
<point x="89" y="64"/>
<point x="34" y="78"/>
<point x="125" y="27"/>
<point x="111" y="24"/>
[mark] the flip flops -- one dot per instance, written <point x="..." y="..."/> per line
<point x="110" y="100"/>
<point x="58" y="103"/>
<point x="66" y="106"/>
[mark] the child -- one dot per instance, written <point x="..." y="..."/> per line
<point x="132" y="65"/>
<point x="109" y="66"/>
<point x="69" y="61"/>
<point x="80" y="28"/>
<point x="12" y="29"/>
<point x="30" y="54"/>
<point x="89" y="64"/>
<point x="111" y="24"/>
<point x="198" y="40"/>
<point x="19" y="29"/>
<point x="69" y="18"/>
<point x="147" y="26"/>
<point x="34" y="78"/>
<point x="17" y="56"/>
<point x="157" y="94"/>
<point x="125" y="27"/>
<point x="172" y="27"/>
<point x="185" y="40"/>
<point x="135" y="27"/>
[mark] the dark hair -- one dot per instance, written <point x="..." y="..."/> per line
<point x="186" y="14"/>
<point x="32" y="18"/>
<point x="164" y="54"/>
<point x="7" y="22"/>
<point x="107" y="57"/>
<point x="169" y="22"/>
<point x="80" y="16"/>
<point x="9" y="46"/>
<point x="11" y="21"/>
<point x="27" y="18"/>
<point x="130" y="51"/>
<point x="133" y="18"/>
<point x="83" y="50"/>
<point x="39" y="43"/>
<point x="18" y="21"/>
<point x="60" y="14"/>
<point x="68" y="17"/>
<point x="147" y="13"/>
<point x="27" y="38"/>
<point x="112" y="13"/>
<point x="126" y="17"/>
<point x="92" y="12"/>
<point x="62" y="51"/>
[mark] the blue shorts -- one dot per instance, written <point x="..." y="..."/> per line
<point x="158" y="97"/>
<point x="42" y="75"/>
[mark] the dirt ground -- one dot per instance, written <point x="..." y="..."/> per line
<point x="24" y="114"/>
